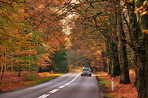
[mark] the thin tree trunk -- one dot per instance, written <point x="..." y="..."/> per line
<point x="2" y="72"/>
<point x="4" y="65"/>
<point x="19" y="74"/>
<point x="11" y="67"/>
<point x="1" y="68"/>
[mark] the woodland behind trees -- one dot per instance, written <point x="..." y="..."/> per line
<point x="108" y="33"/>
<point x="30" y="37"/>
<point x="116" y="32"/>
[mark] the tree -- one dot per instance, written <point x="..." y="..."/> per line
<point x="59" y="61"/>
<point x="94" y="21"/>
<point x="137" y="27"/>
<point x="142" y="49"/>
<point x="27" y="32"/>
<point x="122" y="48"/>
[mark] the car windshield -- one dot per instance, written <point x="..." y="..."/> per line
<point x="85" y="69"/>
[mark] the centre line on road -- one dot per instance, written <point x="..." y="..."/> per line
<point x="53" y="91"/>
<point x="44" y="96"/>
<point x="60" y="87"/>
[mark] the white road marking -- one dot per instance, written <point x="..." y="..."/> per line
<point x="53" y="91"/>
<point x="67" y="84"/>
<point x="44" y="96"/>
<point x="60" y="87"/>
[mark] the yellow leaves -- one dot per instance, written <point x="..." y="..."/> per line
<point x="27" y="52"/>
<point x="45" y="74"/>
<point x="98" y="18"/>
<point x="106" y="16"/>
<point x="143" y="9"/>
<point x="99" y="51"/>
<point x="146" y="31"/>
<point x="28" y="32"/>
<point x="28" y="35"/>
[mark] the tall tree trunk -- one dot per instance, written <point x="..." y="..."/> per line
<point x="115" y="68"/>
<point x="122" y="49"/>
<point x="104" y="61"/>
<point x="109" y="66"/>
<point x="109" y="57"/>
<point x="146" y="67"/>
<point x="142" y="52"/>
<point x="134" y="32"/>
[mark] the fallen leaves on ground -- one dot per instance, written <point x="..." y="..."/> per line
<point x="121" y="90"/>
<point x="11" y="81"/>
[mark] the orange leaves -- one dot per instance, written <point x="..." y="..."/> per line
<point x="143" y="9"/>
<point x="61" y="1"/>
<point x="146" y="32"/>
<point x="45" y="74"/>
<point x="29" y="32"/>
<point x="27" y="52"/>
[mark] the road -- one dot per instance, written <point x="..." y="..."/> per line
<point x="70" y="85"/>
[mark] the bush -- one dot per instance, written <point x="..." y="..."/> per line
<point x="30" y="77"/>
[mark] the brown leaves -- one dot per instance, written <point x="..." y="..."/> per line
<point x="122" y="90"/>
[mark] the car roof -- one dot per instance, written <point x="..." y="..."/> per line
<point x="85" y="68"/>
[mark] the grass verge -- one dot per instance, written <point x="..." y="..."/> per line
<point x="11" y="81"/>
<point x="42" y="80"/>
<point x="105" y="87"/>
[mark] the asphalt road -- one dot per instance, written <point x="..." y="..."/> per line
<point x="70" y="85"/>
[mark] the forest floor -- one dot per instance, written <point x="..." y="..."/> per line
<point x="11" y="81"/>
<point x="120" y="90"/>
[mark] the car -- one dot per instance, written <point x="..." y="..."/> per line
<point x="86" y="71"/>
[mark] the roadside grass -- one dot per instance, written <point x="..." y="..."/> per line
<point x="106" y="83"/>
<point x="41" y="80"/>
<point x="105" y="86"/>
<point x="11" y="81"/>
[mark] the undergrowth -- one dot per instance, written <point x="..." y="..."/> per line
<point x="106" y="85"/>
<point x="41" y="80"/>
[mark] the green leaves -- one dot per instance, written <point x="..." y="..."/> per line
<point x="59" y="61"/>
<point x="27" y="33"/>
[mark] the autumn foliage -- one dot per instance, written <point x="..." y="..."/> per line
<point x="29" y="34"/>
